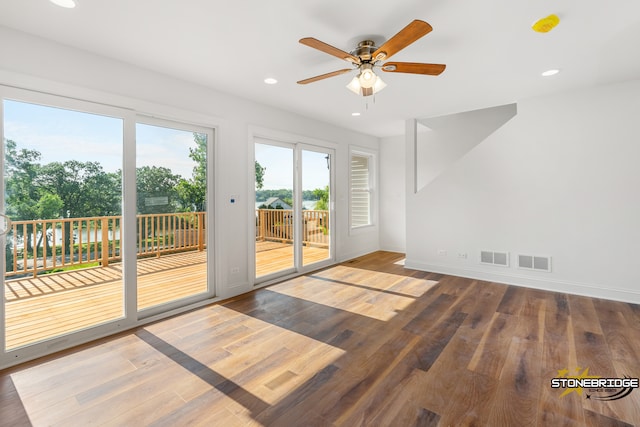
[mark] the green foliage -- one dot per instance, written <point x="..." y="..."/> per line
<point x="49" y="206"/>
<point x="263" y="195"/>
<point x="155" y="182"/>
<point x="322" y="197"/>
<point x="191" y="194"/>
<point x="260" y="170"/>
<point x="198" y="191"/>
<point x="21" y="192"/>
<point x="84" y="188"/>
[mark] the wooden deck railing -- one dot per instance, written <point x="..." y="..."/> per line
<point x="277" y="225"/>
<point x="38" y="246"/>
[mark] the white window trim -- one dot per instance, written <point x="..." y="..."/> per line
<point x="373" y="199"/>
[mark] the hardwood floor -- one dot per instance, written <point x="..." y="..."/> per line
<point x="363" y="343"/>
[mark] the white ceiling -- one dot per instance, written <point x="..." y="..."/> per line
<point x="492" y="55"/>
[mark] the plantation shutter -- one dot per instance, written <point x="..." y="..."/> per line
<point x="360" y="191"/>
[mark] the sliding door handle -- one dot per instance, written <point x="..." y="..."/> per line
<point x="5" y="224"/>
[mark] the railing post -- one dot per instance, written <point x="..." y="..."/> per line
<point x="104" y="224"/>
<point x="34" y="249"/>
<point x="200" y="231"/>
<point x="263" y="225"/>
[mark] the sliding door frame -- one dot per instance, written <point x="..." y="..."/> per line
<point x="210" y="214"/>
<point x="131" y="316"/>
<point x="297" y="144"/>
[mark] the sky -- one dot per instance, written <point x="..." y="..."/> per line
<point x="61" y="135"/>
<point x="278" y="162"/>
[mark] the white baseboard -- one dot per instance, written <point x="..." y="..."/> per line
<point x="354" y="254"/>
<point x="394" y="249"/>
<point x="575" y="288"/>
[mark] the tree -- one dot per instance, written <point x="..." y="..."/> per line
<point x="260" y="170"/>
<point x="48" y="206"/>
<point x="22" y="169"/>
<point x="322" y="197"/>
<point x="84" y="188"/>
<point x="196" y="188"/>
<point x="156" y="189"/>
<point x="189" y="196"/>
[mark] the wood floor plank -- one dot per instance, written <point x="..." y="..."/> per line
<point x="12" y="410"/>
<point x="491" y="353"/>
<point x="519" y="386"/>
<point x="363" y="343"/>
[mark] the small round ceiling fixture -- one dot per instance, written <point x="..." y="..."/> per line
<point x="270" y="81"/>
<point x="69" y="4"/>
<point x="546" y="24"/>
<point x="551" y="72"/>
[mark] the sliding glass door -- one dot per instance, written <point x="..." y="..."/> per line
<point x="293" y="208"/>
<point x="173" y="218"/>
<point x="105" y="219"/>
<point x="62" y="178"/>
<point x="316" y="214"/>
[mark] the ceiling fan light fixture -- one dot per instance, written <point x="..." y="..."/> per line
<point x="367" y="77"/>
<point x="379" y="85"/>
<point x="355" y="86"/>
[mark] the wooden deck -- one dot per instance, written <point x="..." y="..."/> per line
<point x="55" y="304"/>
<point x="272" y="257"/>
<point x="59" y="303"/>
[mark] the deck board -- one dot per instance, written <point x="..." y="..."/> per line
<point x="272" y="257"/>
<point x="51" y="305"/>
<point x="55" y="304"/>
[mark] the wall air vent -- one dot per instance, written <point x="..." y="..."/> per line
<point x="494" y="258"/>
<point x="534" y="262"/>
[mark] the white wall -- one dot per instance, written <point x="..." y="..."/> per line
<point x="443" y="140"/>
<point x="392" y="194"/>
<point x="560" y="179"/>
<point x="33" y="63"/>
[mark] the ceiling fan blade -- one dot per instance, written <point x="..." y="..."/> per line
<point x="404" y="38"/>
<point x="413" y="68"/>
<point x="324" y="76"/>
<point x="326" y="48"/>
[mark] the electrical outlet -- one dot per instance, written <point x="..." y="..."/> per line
<point x="442" y="252"/>
<point x="235" y="270"/>
<point x="462" y="255"/>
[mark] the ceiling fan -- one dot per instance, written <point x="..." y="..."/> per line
<point x="367" y="57"/>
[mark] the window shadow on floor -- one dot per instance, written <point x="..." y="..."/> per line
<point x="202" y="371"/>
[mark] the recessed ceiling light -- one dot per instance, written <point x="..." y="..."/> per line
<point x="552" y="72"/>
<point x="69" y="4"/>
<point x="270" y="81"/>
<point x="355" y="114"/>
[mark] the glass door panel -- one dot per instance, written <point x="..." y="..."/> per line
<point x="171" y="179"/>
<point x="63" y="193"/>
<point x="316" y="184"/>
<point x="274" y="210"/>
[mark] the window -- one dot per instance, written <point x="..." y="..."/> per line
<point x="361" y="197"/>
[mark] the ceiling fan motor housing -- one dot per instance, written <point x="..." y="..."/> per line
<point x="365" y="50"/>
